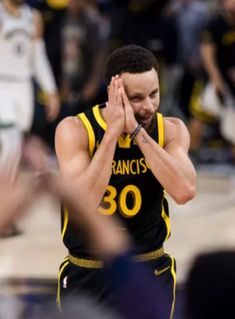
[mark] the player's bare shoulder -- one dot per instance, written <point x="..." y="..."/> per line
<point x="71" y="130"/>
<point x="175" y="129"/>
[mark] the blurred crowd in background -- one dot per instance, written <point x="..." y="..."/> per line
<point x="80" y="33"/>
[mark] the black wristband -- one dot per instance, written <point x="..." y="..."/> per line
<point x="136" y="131"/>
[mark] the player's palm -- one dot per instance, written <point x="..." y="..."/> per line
<point x="115" y="116"/>
<point x="130" y="121"/>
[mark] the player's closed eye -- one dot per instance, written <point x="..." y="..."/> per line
<point x="135" y="99"/>
<point x="154" y="94"/>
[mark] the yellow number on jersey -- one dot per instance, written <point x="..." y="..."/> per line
<point x="109" y="204"/>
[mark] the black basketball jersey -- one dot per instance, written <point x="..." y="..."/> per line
<point x="133" y="193"/>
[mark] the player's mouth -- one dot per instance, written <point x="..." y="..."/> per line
<point x="145" y="122"/>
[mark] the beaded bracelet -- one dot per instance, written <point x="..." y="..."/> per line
<point x="136" y="131"/>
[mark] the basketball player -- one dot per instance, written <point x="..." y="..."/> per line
<point x="125" y="154"/>
<point x="22" y="56"/>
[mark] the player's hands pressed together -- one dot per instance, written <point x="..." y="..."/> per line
<point x="115" y="115"/>
<point x="119" y="112"/>
<point x="130" y="120"/>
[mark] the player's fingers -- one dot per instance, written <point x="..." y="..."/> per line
<point x="111" y="91"/>
<point x="124" y="96"/>
<point x="116" y="90"/>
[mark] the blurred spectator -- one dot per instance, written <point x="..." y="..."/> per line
<point x="210" y="286"/>
<point x="218" y="51"/>
<point x="22" y="56"/>
<point x="170" y="70"/>
<point x="84" y="44"/>
<point x="191" y="16"/>
<point x="142" y="24"/>
<point x="15" y="198"/>
<point x="52" y="12"/>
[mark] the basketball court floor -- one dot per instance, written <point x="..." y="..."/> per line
<point x="29" y="263"/>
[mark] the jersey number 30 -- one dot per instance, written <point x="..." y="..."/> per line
<point x="111" y="201"/>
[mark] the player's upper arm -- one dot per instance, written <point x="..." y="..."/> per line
<point x="177" y="139"/>
<point x="71" y="144"/>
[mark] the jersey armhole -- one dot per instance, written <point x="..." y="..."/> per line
<point x="160" y="127"/>
<point x="90" y="132"/>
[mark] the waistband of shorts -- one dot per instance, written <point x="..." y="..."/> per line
<point x="93" y="263"/>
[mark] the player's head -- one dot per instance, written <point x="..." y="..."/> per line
<point x="138" y="68"/>
<point x="129" y="59"/>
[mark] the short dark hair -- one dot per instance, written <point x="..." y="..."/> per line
<point x="130" y="58"/>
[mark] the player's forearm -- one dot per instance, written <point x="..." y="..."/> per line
<point x="97" y="174"/>
<point x="177" y="179"/>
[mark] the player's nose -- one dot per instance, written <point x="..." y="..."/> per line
<point x="149" y="106"/>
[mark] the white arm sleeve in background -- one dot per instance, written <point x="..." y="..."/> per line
<point x="42" y="70"/>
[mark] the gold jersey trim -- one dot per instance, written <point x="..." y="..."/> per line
<point x="90" y="132"/>
<point x="166" y="220"/>
<point x="65" y="222"/>
<point x="91" y="139"/>
<point x="123" y="142"/>
<point x="173" y="273"/>
<point x="66" y="262"/>
<point x="86" y="263"/>
<point x="99" y="118"/>
<point x="160" y="126"/>
<point x="174" y="285"/>
<point x="161" y="142"/>
<point x="91" y="263"/>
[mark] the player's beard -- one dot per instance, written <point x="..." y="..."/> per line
<point x="146" y="122"/>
